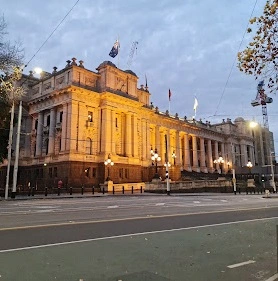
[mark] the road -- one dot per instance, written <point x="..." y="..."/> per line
<point x="183" y="237"/>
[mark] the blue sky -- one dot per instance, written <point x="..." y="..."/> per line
<point x="187" y="46"/>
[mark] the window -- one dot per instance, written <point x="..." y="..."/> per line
<point x="36" y="124"/>
<point x="48" y="120"/>
<point x="55" y="172"/>
<point x="89" y="146"/>
<point x="116" y="122"/>
<point x="90" y="116"/>
<point x="61" y="117"/>
<point x="50" y="172"/>
<point x="94" y="174"/>
<point x="126" y="173"/>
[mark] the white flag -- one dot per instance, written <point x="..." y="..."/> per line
<point x="195" y="105"/>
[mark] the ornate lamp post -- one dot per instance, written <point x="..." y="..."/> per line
<point x="249" y="165"/>
<point x="108" y="162"/>
<point x="155" y="158"/>
<point x="219" y="161"/>
<point x="228" y="164"/>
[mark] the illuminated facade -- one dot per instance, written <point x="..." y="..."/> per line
<point x="77" y="118"/>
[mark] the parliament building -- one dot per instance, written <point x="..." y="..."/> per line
<point x="75" y="119"/>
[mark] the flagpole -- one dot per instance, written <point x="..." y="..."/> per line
<point x="169" y="106"/>
<point x="119" y="47"/>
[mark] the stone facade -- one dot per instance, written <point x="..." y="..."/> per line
<point x="78" y="118"/>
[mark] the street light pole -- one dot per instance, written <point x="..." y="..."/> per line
<point x="272" y="174"/>
<point x="9" y="151"/>
<point x="17" y="151"/>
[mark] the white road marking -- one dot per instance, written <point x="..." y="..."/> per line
<point x="196" y="202"/>
<point x="159" y="204"/>
<point x="223" y="200"/>
<point x="131" y="234"/>
<point x="241" y="264"/>
<point x="273" y="278"/>
<point x="112" y="207"/>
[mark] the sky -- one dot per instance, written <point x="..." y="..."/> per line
<point x="188" y="46"/>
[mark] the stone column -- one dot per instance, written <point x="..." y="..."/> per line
<point x="128" y="139"/>
<point x="162" y="151"/>
<point x="39" y="135"/>
<point x="135" y="136"/>
<point x="178" y="149"/>
<point x="186" y="152"/>
<point x="106" y="131"/>
<point x="210" y="160"/>
<point x="203" y="156"/>
<point x="195" y="154"/>
<point x="157" y="139"/>
<point x="243" y="153"/>
<point x="145" y="142"/>
<point x="216" y="154"/>
<point x="64" y="127"/>
<point x="52" y="130"/>
<point x="113" y="132"/>
<point x="28" y="129"/>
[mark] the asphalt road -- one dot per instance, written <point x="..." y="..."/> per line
<point x="217" y="237"/>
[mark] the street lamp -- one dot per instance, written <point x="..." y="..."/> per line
<point x="108" y="162"/>
<point x="155" y="158"/>
<point x="249" y="165"/>
<point x="219" y="161"/>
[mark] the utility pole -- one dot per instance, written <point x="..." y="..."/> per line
<point x="17" y="150"/>
<point x="9" y="151"/>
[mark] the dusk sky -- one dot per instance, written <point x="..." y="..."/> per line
<point x="188" y="46"/>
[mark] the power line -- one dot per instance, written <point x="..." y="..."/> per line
<point x="225" y="86"/>
<point x="51" y="33"/>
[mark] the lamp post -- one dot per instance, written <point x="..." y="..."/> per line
<point x="155" y="158"/>
<point x="174" y="157"/>
<point x="15" y="172"/>
<point x="249" y="165"/>
<point x="219" y="161"/>
<point x="108" y="162"/>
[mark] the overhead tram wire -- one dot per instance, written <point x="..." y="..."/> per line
<point x="51" y="33"/>
<point x="225" y="86"/>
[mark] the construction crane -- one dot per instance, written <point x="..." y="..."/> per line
<point x="262" y="99"/>
<point x="131" y="53"/>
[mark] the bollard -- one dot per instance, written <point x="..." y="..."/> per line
<point x="93" y="190"/>
<point x="45" y="191"/>
<point x="113" y="190"/>
<point x="29" y="191"/>
<point x="33" y="191"/>
<point x="82" y="189"/>
<point x="58" y="191"/>
<point x="132" y="189"/>
<point x="141" y="189"/>
<point x="71" y="190"/>
<point x="123" y="189"/>
<point x="103" y="190"/>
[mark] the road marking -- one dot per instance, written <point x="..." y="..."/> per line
<point x="241" y="264"/>
<point x="131" y="234"/>
<point x="159" y="204"/>
<point x="112" y="207"/>
<point x="273" y="278"/>
<point x="223" y="200"/>
<point x="136" y="218"/>
<point x="196" y="202"/>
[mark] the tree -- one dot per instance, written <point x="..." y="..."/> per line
<point x="260" y="58"/>
<point x="11" y="57"/>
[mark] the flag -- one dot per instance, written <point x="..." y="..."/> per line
<point x="170" y="94"/>
<point x="195" y="105"/>
<point x="115" y="49"/>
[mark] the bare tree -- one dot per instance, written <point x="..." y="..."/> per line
<point x="11" y="54"/>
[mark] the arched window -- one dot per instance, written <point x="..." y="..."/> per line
<point x="89" y="146"/>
